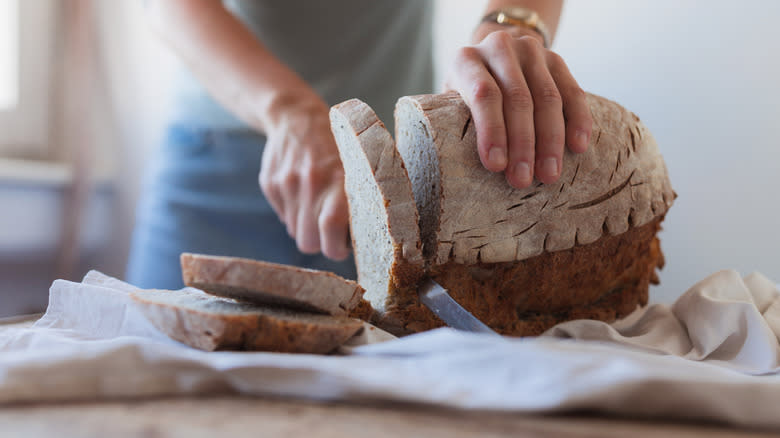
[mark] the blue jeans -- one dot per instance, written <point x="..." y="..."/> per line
<point x="202" y="196"/>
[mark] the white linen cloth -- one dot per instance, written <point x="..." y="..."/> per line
<point x="714" y="354"/>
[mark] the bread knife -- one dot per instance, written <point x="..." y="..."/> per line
<point x="436" y="298"/>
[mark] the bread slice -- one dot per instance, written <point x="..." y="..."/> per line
<point x="212" y="323"/>
<point x="272" y="284"/>
<point x="520" y="260"/>
<point x="383" y="216"/>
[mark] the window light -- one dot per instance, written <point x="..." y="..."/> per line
<point x="9" y="53"/>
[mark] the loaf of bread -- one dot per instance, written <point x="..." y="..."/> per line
<point x="520" y="260"/>
<point x="212" y="323"/>
<point x="272" y="284"/>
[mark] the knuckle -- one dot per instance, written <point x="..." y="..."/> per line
<point x="549" y="94"/>
<point x="316" y="176"/>
<point x="501" y="38"/>
<point x="523" y="143"/>
<point x="485" y="91"/>
<point x="468" y="54"/>
<point x="553" y="141"/>
<point x="306" y="173"/>
<point x="288" y="180"/>
<point x="491" y="132"/>
<point x="554" y="59"/>
<point x="530" y="44"/>
<point x="519" y="99"/>
<point x="557" y="138"/>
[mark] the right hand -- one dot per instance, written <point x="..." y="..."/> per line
<point x="303" y="179"/>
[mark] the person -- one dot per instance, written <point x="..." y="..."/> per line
<point x="260" y="78"/>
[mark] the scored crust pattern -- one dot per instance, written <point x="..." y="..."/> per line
<point x="483" y="219"/>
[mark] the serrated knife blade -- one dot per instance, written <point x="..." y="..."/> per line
<point x="436" y="298"/>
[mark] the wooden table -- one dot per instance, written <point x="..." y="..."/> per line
<point x="233" y="416"/>
<point x="236" y="417"/>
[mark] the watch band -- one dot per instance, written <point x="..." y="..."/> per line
<point x="520" y="17"/>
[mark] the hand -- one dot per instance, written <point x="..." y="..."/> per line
<point x="303" y="179"/>
<point x="525" y="103"/>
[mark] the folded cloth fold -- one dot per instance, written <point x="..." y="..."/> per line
<point x="712" y="355"/>
<point x="723" y="319"/>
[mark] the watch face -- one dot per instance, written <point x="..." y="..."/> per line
<point x="522" y="14"/>
<point x="517" y="16"/>
<point x="520" y="17"/>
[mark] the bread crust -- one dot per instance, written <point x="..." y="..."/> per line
<point x="268" y="283"/>
<point x="525" y="260"/>
<point x="619" y="183"/>
<point x="356" y="126"/>
<point x="604" y="280"/>
<point x="236" y="326"/>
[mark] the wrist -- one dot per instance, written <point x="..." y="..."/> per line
<point x="287" y="107"/>
<point x="486" y="28"/>
<point x="518" y="21"/>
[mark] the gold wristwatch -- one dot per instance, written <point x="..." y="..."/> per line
<point x="520" y="17"/>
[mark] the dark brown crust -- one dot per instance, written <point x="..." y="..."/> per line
<point x="252" y="332"/>
<point x="404" y="273"/>
<point x="363" y="311"/>
<point x="604" y="280"/>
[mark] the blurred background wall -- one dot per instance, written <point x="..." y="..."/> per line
<point x="701" y="75"/>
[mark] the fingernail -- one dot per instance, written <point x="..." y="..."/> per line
<point x="582" y="138"/>
<point x="550" y="167"/>
<point x="497" y="157"/>
<point x="523" y="172"/>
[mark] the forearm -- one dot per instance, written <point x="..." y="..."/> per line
<point x="227" y="59"/>
<point x="549" y="11"/>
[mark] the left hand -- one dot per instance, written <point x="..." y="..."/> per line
<point x="525" y="103"/>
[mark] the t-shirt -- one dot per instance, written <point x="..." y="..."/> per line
<point x="374" y="50"/>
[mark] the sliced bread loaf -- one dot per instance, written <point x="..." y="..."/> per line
<point x="383" y="216"/>
<point x="212" y="323"/>
<point x="520" y="260"/>
<point x="272" y="284"/>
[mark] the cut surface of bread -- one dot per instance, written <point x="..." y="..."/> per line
<point x="212" y="323"/>
<point x="523" y="259"/>
<point x="383" y="216"/>
<point x="272" y="284"/>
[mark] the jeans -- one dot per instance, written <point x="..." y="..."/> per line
<point x="202" y="195"/>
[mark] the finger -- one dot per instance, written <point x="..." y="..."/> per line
<point x="518" y="109"/>
<point x="288" y="185"/>
<point x="483" y="96"/>
<point x="548" y="113"/>
<point x="333" y="224"/>
<point x="576" y="112"/>
<point x="307" y="235"/>
<point x="272" y="194"/>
